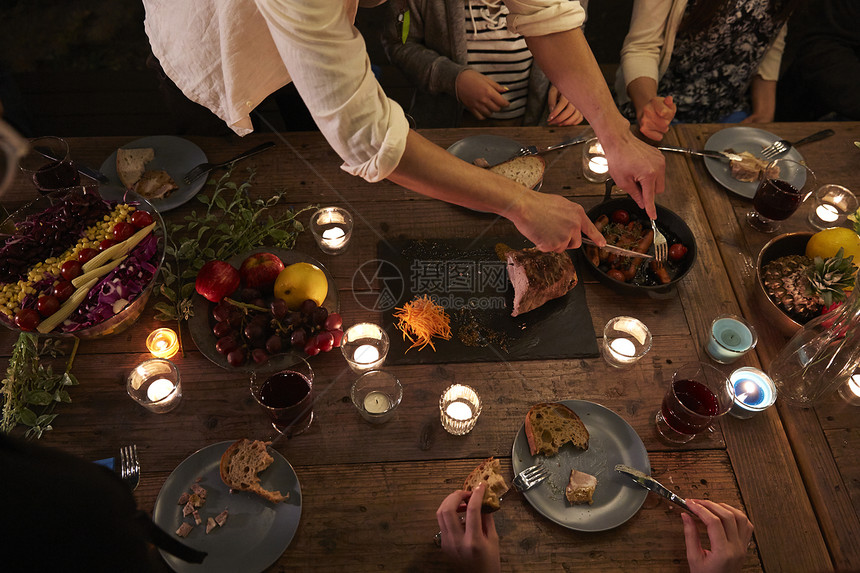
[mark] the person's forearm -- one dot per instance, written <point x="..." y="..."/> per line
<point x="641" y="91"/>
<point x="763" y="95"/>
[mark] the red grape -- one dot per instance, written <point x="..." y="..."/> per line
<point x="47" y="305"/>
<point x="86" y="254"/>
<point x="222" y="329"/>
<point x="236" y="357"/>
<point x="307" y="307"/>
<point x="299" y="337"/>
<point x="311" y="348"/>
<point x="71" y="269"/>
<point x="226" y="344"/>
<point x="319" y="316"/>
<point x="274" y="344"/>
<point x="141" y="219"/>
<point x="259" y="355"/>
<point x="123" y="231"/>
<point x="333" y="322"/>
<point x="677" y="252"/>
<point x="278" y="308"/>
<point x="338" y="337"/>
<point x="325" y="341"/>
<point x="221" y="311"/>
<point x="27" y="319"/>
<point x="63" y="290"/>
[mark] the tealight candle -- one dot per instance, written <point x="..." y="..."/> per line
<point x="162" y="343"/>
<point x="831" y="206"/>
<point x="155" y="385"/>
<point x="754" y="391"/>
<point x="332" y="229"/>
<point x="625" y="341"/>
<point x="731" y="337"/>
<point x="459" y="408"/>
<point x="365" y="346"/>
<point x="827" y="213"/>
<point x="595" y="166"/>
<point x="850" y="391"/>
<point x="376" y="394"/>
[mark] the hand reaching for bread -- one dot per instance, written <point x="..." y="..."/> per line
<point x="472" y="545"/>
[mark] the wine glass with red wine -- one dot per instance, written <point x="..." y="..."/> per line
<point x="49" y="165"/>
<point x="697" y="395"/>
<point x="783" y="185"/>
<point x="286" y="397"/>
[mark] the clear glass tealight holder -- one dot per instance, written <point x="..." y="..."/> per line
<point x="459" y="408"/>
<point x="376" y="395"/>
<point x="155" y="385"/>
<point x="332" y="229"/>
<point x="365" y="346"/>
<point x="625" y="341"/>
<point x="595" y="167"/>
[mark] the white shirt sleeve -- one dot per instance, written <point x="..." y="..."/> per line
<point x="327" y="60"/>
<point x="542" y="17"/>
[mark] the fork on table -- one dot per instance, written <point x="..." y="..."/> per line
<point x="533" y="150"/>
<point x="777" y="148"/>
<point x="129" y="466"/>
<point x="661" y="246"/>
<point x="192" y="175"/>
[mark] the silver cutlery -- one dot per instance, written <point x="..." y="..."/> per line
<point x="780" y="147"/>
<point x="661" y="246"/>
<point x="651" y="484"/>
<point x="619" y="250"/>
<point x="533" y="150"/>
<point x="82" y="169"/>
<point x="129" y="466"/>
<point x="203" y="168"/>
<point x="704" y="153"/>
<point x="523" y="481"/>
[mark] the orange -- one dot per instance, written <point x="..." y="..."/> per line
<point x="299" y="282"/>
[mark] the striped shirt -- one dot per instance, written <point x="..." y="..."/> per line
<point x="497" y="53"/>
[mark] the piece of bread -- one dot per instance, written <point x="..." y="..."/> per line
<point x="580" y="488"/>
<point x="155" y="185"/>
<point x="241" y="463"/>
<point x="131" y="163"/>
<point x="489" y="471"/>
<point x="527" y="171"/>
<point x="551" y="425"/>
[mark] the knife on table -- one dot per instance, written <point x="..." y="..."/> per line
<point x="82" y="169"/>
<point x="619" y="250"/>
<point x="651" y="484"/>
<point x="704" y="153"/>
<point x="533" y="150"/>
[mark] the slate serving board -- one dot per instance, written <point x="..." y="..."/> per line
<point x="467" y="278"/>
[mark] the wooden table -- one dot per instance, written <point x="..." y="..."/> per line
<point x="370" y="493"/>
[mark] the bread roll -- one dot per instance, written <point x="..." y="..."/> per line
<point x="241" y="463"/>
<point x="490" y="472"/>
<point x="551" y="425"/>
<point x="131" y="163"/>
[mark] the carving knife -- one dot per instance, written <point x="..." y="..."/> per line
<point x="651" y="484"/>
<point x="724" y="155"/>
<point x="619" y="250"/>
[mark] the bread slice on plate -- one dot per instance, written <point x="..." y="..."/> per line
<point x="241" y="463"/>
<point x="580" y="488"/>
<point x="489" y="471"/>
<point x="550" y="425"/>
<point x="527" y="171"/>
<point x="131" y="163"/>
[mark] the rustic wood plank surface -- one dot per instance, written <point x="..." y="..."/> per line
<point x="371" y="506"/>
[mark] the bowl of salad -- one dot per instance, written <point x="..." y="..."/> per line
<point x="79" y="262"/>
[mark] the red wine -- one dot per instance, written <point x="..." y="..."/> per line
<point x="284" y="389"/>
<point x="776" y="199"/>
<point x="58" y="175"/>
<point x="690" y="407"/>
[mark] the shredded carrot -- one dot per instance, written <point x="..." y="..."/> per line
<point x="421" y="320"/>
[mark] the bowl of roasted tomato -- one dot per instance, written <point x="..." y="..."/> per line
<point x="625" y="225"/>
<point x="80" y="262"/>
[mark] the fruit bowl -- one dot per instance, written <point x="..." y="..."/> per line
<point x="779" y="246"/>
<point x="118" y="321"/>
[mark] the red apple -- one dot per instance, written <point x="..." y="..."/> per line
<point x="260" y="270"/>
<point x="216" y="279"/>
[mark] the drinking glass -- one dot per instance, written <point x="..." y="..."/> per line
<point x="697" y="395"/>
<point x="49" y="165"/>
<point x="286" y="397"/>
<point x="782" y="187"/>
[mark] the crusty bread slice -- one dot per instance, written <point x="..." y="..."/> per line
<point x="489" y="471"/>
<point x="155" y="185"/>
<point x="580" y="488"/>
<point x="527" y="171"/>
<point x="550" y="425"/>
<point x="241" y="463"/>
<point x="131" y="163"/>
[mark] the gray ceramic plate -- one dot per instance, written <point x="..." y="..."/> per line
<point x="256" y="533"/>
<point x="173" y="154"/>
<point x="493" y="148"/>
<point x="201" y="323"/>
<point x="611" y="441"/>
<point x="744" y="139"/>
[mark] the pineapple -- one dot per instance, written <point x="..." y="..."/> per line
<point x="802" y="287"/>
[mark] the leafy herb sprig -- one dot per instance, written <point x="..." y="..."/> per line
<point x="31" y="385"/>
<point x="232" y="223"/>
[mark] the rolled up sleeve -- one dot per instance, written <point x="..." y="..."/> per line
<point x="542" y="17"/>
<point x="327" y="60"/>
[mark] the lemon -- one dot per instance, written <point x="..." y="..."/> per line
<point x="827" y="243"/>
<point x="299" y="282"/>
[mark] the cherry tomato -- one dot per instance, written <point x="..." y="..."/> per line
<point x="141" y="219"/>
<point x="63" y="290"/>
<point x="615" y="274"/>
<point x="47" y="305"/>
<point x="123" y="231"/>
<point x="677" y="252"/>
<point x="106" y="244"/>
<point x="86" y="254"/>
<point x="620" y="216"/>
<point x="70" y="269"/>
<point x="27" y="319"/>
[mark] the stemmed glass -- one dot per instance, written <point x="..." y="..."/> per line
<point x="49" y="165"/>
<point x="782" y="187"/>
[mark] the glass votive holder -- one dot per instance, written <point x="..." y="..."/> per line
<point x="831" y="205"/>
<point x="625" y="341"/>
<point x="754" y="391"/>
<point x="376" y="394"/>
<point x="459" y="408"/>
<point x="365" y="346"/>
<point x="731" y="337"/>
<point x="155" y="385"/>
<point x="162" y="343"/>
<point x="850" y="391"/>
<point x="595" y="167"/>
<point x="332" y="229"/>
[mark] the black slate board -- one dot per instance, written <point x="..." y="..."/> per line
<point x="466" y="273"/>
